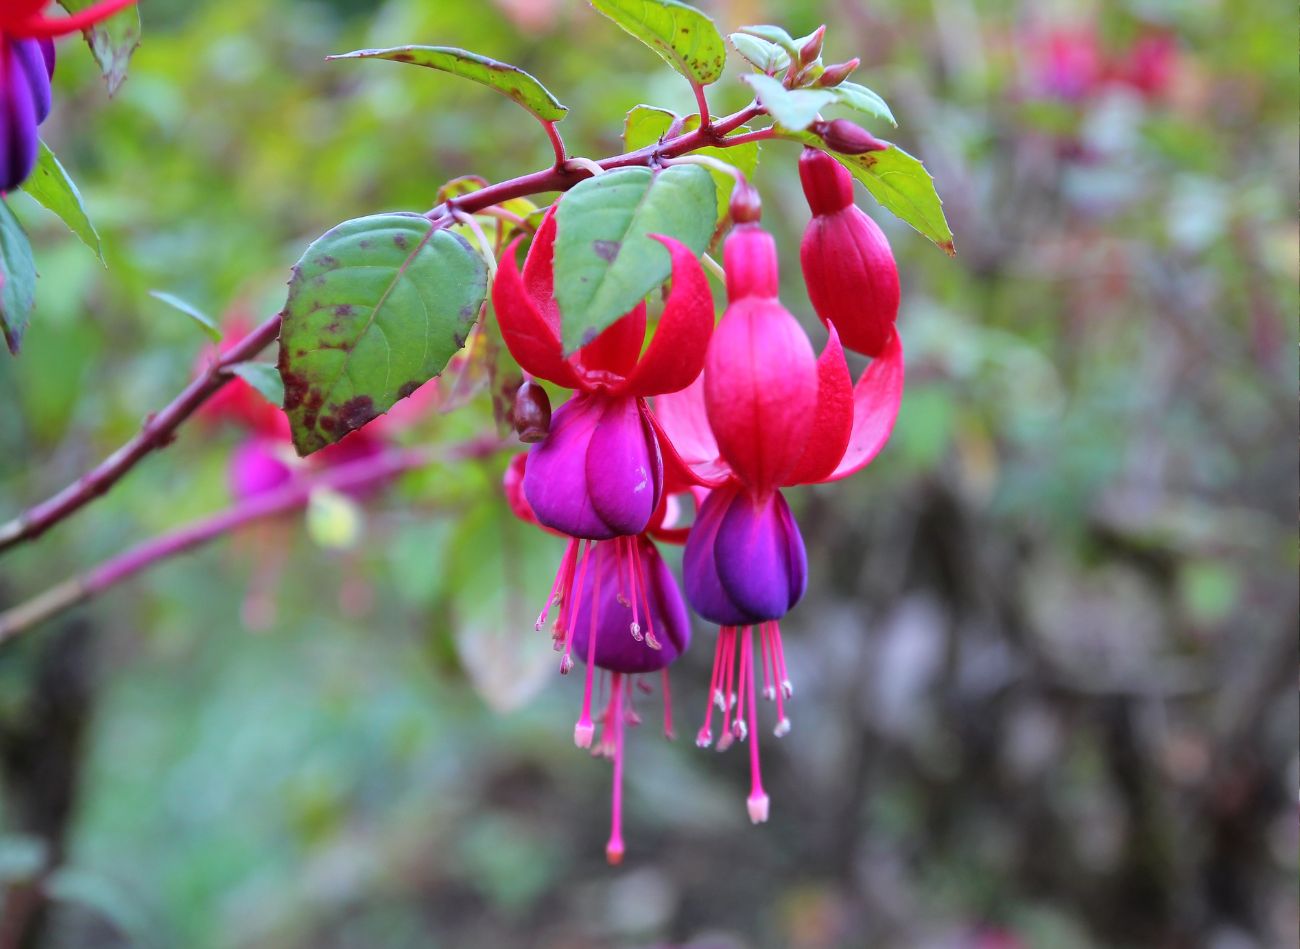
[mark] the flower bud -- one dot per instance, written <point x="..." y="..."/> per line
<point x="746" y="205"/>
<point x="531" y="413"/>
<point x="813" y="47"/>
<point x="835" y="74"/>
<point x="848" y="138"/>
<point x="847" y="263"/>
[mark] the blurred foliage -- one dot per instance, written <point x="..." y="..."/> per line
<point x="1046" y="668"/>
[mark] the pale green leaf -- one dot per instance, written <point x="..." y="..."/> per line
<point x="52" y="188"/>
<point x="510" y="81"/>
<point x="111" y="41"/>
<point x="17" y="279"/>
<point x="208" y="324"/>
<point x="862" y="99"/>
<point x="793" y="109"/>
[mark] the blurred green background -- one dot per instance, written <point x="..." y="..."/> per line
<point x="1046" y="669"/>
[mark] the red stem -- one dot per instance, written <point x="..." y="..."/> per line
<point x="365" y="472"/>
<point x="159" y="431"/>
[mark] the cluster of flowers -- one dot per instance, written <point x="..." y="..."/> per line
<point x="739" y="412"/>
<point x="26" y="68"/>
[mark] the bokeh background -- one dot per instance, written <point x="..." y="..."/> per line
<point x="1046" y="669"/>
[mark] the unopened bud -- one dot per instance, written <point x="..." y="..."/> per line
<point x="848" y="138"/>
<point x="532" y="412"/>
<point x="812" y="48"/>
<point x="835" y="74"/>
<point x="746" y="205"/>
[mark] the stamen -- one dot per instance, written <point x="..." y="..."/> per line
<point x="769" y="691"/>
<point x="728" y="692"/>
<point x="554" y="596"/>
<point x="758" y="803"/>
<point x="668" y="708"/>
<point x="582" y="731"/>
<point x="704" y="737"/>
<point x="614" y="849"/>
<point x="571" y="604"/>
<point x="643" y="594"/>
<point x="738" y="727"/>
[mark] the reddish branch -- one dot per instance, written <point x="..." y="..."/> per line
<point x="159" y="431"/>
<point x="356" y="475"/>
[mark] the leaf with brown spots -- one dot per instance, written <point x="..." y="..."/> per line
<point x="683" y="36"/>
<point x="510" y="81"/>
<point x="605" y="259"/>
<point x="376" y="307"/>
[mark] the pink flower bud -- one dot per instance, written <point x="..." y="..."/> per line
<point x="847" y="264"/>
<point x="835" y="74"/>
<point x="848" y="138"/>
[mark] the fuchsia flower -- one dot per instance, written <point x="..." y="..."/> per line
<point x="599" y="473"/>
<point x="26" y="67"/>
<point x="621" y="588"/>
<point x="766" y="414"/>
<point x="847" y="264"/>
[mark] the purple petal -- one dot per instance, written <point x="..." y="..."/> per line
<point x="598" y="473"/>
<point x="555" y="480"/>
<point x="704" y="589"/>
<point x="31" y="58"/>
<point x="745" y="560"/>
<point x="617" y="650"/>
<point x="18" y="138"/>
<point x="624" y="468"/>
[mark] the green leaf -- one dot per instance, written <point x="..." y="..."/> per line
<point x="645" y="125"/>
<point x="376" y="308"/>
<point x="263" y="377"/>
<point x="899" y="182"/>
<point x="189" y="309"/>
<point x="605" y="262"/>
<point x="111" y="41"/>
<point x="510" y="81"/>
<point x="766" y="57"/>
<point x="685" y="38"/>
<point x="775" y="36"/>
<point x="17" y="279"/>
<point x="52" y="188"/>
<point x="862" y="99"/>
<point x="793" y="109"/>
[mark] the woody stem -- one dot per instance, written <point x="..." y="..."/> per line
<point x="160" y="429"/>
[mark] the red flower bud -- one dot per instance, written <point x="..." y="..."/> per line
<point x="848" y="138"/>
<point x="813" y="47"/>
<point x="847" y="264"/>
<point x="835" y="74"/>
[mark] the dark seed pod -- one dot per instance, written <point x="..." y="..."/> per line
<point x="532" y="412"/>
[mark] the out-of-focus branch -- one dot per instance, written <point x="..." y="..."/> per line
<point x="360" y="474"/>
<point x="157" y="432"/>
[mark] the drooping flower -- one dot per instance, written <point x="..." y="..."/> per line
<point x="847" y="263"/>
<point x="766" y="414"/>
<point x="598" y="475"/>
<point x="624" y="615"/>
<point x="26" y="67"/>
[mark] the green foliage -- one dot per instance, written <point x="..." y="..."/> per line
<point x="646" y="125"/>
<point x="862" y="99"/>
<point x="17" y="279"/>
<point x="768" y="58"/>
<point x="685" y="38"/>
<point x="793" y="109"/>
<point x="376" y="308"/>
<point x="264" y="378"/>
<point x="605" y="259"/>
<point x="205" y="322"/>
<point x="511" y="81"/>
<point x="51" y="186"/>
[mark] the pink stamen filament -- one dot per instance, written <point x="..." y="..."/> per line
<point x="704" y="737"/>
<point x="668" y="708"/>
<point x="614" y="849"/>
<point x="643" y="589"/>
<point x="745" y="675"/>
<point x="769" y="691"/>
<point x="583" y="730"/>
<point x="758" y="802"/>
<point x="560" y="576"/>
<point x="633" y="572"/>
<point x="728" y="692"/>
<point x="570" y="606"/>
